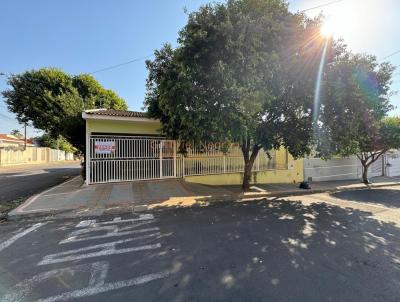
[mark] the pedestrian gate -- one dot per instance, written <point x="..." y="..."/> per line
<point x="130" y="158"/>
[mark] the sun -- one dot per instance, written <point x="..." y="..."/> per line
<point x="328" y="29"/>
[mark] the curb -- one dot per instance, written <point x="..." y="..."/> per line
<point x="39" y="214"/>
<point x="16" y="214"/>
<point x="313" y="191"/>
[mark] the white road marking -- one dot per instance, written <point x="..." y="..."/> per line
<point x="112" y="231"/>
<point x="106" y="252"/>
<point x="97" y="270"/>
<point x="10" y="241"/>
<point x="90" y="291"/>
<point x="108" y="235"/>
<point x="86" y="223"/>
<point x="257" y="188"/>
<point x="22" y="174"/>
<point x="106" y="249"/>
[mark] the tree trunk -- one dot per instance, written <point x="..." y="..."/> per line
<point x="248" y="164"/>
<point x="366" y="161"/>
<point x="247" y="176"/>
<point x="365" y="166"/>
<point x="365" y="173"/>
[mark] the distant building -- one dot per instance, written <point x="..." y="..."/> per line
<point x="11" y="141"/>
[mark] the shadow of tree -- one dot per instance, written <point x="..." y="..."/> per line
<point x="387" y="197"/>
<point x="248" y="251"/>
<point x="275" y="251"/>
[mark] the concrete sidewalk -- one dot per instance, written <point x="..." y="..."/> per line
<point x="73" y="199"/>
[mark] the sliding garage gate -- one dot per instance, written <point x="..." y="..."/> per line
<point x="130" y="158"/>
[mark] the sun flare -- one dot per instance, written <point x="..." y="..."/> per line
<point x="350" y="20"/>
<point x="327" y="29"/>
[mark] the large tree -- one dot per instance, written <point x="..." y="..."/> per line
<point x="243" y="71"/>
<point x="53" y="101"/>
<point x="355" y="105"/>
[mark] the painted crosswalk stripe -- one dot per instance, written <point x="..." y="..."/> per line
<point x="106" y="249"/>
<point x="86" y="223"/>
<point x="108" y="235"/>
<point x="10" y="241"/>
<point x="90" y="291"/>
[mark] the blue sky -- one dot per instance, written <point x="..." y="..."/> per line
<point x="85" y="36"/>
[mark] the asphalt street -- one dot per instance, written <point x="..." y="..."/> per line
<point x="16" y="183"/>
<point x="268" y="250"/>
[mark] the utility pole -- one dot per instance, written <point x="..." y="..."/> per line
<point x="25" y="135"/>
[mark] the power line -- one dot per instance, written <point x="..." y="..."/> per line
<point x="121" y="64"/>
<point x="148" y="56"/>
<point x="321" y="5"/>
<point x="390" y="55"/>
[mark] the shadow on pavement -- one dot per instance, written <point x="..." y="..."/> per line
<point x="249" y="251"/>
<point x="386" y="197"/>
<point x="278" y="251"/>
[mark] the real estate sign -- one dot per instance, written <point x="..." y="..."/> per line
<point x="101" y="147"/>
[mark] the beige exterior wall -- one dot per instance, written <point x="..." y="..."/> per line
<point x="123" y="127"/>
<point x="288" y="170"/>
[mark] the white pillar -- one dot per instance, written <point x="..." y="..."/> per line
<point x="87" y="156"/>
<point x="175" y="159"/>
<point x="161" y="151"/>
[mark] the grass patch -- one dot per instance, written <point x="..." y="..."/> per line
<point x="7" y="206"/>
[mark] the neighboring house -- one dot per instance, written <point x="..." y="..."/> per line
<point x="11" y="141"/>
<point x="127" y="146"/>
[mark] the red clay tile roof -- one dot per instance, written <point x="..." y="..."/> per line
<point x="111" y="112"/>
<point x="7" y="137"/>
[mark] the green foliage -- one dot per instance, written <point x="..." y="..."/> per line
<point x="355" y="105"/>
<point x="243" y="71"/>
<point x="55" y="143"/>
<point x="389" y="131"/>
<point x="356" y="100"/>
<point x="53" y="101"/>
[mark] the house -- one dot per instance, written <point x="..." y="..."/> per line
<point x="127" y="146"/>
<point x="11" y="141"/>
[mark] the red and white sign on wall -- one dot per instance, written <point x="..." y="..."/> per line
<point x="104" y="147"/>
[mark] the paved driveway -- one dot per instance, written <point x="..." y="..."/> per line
<point x="257" y="251"/>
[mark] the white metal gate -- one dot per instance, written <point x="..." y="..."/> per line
<point x="130" y="158"/>
<point x="317" y="169"/>
<point x="393" y="164"/>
